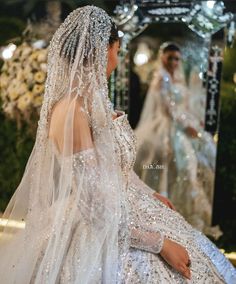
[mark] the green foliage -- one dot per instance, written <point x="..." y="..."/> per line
<point x="15" y="148"/>
<point x="30" y="5"/>
<point x="14" y="28"/>
<point x="225" y="175"/>
<point x="225" y="201"/>
<point x="229" y="64"/>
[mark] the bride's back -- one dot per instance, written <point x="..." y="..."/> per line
<point x="69" y="128"/>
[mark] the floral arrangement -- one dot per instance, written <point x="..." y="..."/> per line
<point x="22" y="82"/>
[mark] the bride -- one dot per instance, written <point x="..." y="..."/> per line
<point x="172" y="137"/>
<point x="80" y="213"/>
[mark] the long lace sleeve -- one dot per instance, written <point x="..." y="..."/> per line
<point x="147" y="240"/>
<point x="142" y="235"/>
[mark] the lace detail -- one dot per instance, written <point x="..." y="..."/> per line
<point x="147" y="240"/>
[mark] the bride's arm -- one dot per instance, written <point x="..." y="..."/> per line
<point x="141" y="236"/>
<point x="155" y="241"/>
<point x="147" y="240"/>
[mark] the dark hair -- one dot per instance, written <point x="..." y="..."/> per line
<point x="114" y="34"/>
<point x="171" y="47"/>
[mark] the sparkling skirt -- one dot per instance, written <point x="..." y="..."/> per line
<point x="208" y="264"/>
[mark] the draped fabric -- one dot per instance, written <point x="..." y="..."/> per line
<point x="66" y="187"/>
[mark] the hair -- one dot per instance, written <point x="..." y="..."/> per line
<point x="68" y="52"/>
<point x="170" y="46"/>
<point x="114" y="36"/>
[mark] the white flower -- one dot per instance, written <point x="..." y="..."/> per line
<point x="22" y="80"/>
<point x="39" y="77"/>
<point x="24" y="101"/>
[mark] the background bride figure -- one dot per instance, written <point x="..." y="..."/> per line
<point x="172" y="138"/>
<point x="83" y="215"/>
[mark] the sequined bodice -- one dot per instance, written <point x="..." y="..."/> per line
<point x="125" y="143"/>
<point x="176" y="91"/>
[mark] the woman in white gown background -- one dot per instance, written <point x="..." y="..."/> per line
<point x="83" y="215"/>
<point x="175" y="156"/>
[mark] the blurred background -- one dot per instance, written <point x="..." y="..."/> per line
<point x="26" y="28"/>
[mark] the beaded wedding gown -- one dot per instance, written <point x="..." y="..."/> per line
<point x="154" y="220"/>
<point x="168" y="159"/>
<point x="149" y="222"/>
<point x="80" y="214"/>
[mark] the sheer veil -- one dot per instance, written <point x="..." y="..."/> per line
<point x="152" y="102"/>
<point x="72" y="190"/>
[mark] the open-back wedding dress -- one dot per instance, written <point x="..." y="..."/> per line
<point x="85" y="215"/>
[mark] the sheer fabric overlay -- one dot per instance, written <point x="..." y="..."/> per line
<point x="66" y="187"/>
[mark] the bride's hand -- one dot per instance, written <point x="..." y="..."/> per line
<point x="165" y="200"/>
<point x="177" y="257"/>
<point x="192" y="132"/>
